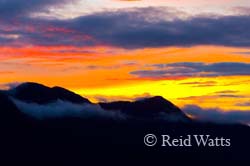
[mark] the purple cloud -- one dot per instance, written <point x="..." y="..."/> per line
<point x="194" y="70"/>
<point x="127" y="28"/>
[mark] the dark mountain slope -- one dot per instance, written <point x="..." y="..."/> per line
<point x="146" y="107"/>
<point x="37" y="93"/>
<point x="9" y="113"/>
<point x="103" y="139"/>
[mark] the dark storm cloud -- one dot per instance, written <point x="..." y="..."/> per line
<point x="127" y="28"/>
<point x="217" y="115"/>
<point x="194" y="70"/>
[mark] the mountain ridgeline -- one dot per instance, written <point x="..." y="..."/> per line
<point x="38" y="122"/>
<point x="33" y="93"/>
<point x="37" y="93"/>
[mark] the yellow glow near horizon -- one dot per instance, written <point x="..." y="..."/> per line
<point x="179" y="93"/>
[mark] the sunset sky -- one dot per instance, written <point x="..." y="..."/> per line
<point x="189" y="51"/>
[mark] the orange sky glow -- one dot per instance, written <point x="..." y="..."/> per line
<point x="104" y="73"/>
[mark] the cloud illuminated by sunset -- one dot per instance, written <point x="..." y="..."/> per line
<point x="111" y="50"/>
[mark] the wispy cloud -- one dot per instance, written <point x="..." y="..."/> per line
<point x="243" y="104"/>
<point x="191" y="69"/>
<point x="200" y="83"/>
<point x="10" y="85"/>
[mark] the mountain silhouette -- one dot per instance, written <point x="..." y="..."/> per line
<point x="26" y="138"/>
<point x="144" y="108"/>
<point x="147" y="107"/>
<point x="9" y="113"/>
<point x="37" y="93"/>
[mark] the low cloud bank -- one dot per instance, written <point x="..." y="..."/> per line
<point x="217" y="115"/>
<point x="61" y="108"/>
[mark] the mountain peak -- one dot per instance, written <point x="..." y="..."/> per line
<point x="147" y="107"/>
<point x="154" y="98"/>
<point x="29" y="86"/>
<point x="33" y="84"/>
<point x="38" y="93"/>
